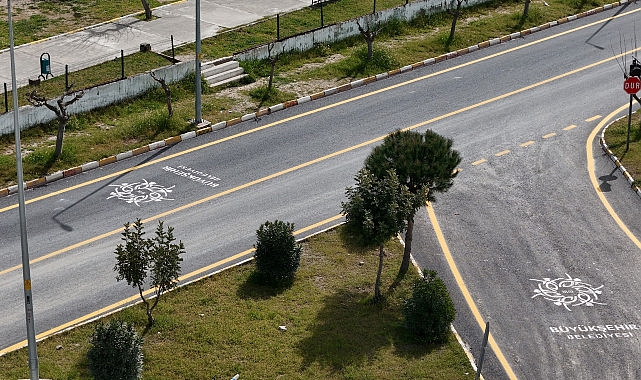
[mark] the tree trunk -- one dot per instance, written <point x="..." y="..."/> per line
<point x="526" y="9"/>
<point x="271" y="73"/>
<point x="62" y="124"/>
<point x="150" y="319"/>
<point x="145" y="4"/>
<point x="377" y="285"/>
<point x="167" y="90"/>
<point x="370" y="49"/>
<point x="409" y="232"/>
<point x="453" y="28"/>
<point x="170" y="109"/>
<point x="455" y="14"/>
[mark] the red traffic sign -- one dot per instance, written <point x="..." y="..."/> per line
<point x="632" y="85"/>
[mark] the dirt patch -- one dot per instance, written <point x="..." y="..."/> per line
<point x="242" y="101"/>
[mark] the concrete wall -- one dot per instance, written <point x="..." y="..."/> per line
<point x="99" y="96"/>
<point x="337" y="32"/>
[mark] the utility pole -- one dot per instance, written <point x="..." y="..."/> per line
<point x="26" y="274"/>
<point x="199" y="116"/>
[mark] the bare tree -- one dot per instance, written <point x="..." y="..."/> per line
<point x="148" y="15"/>
<point x="455" y="12"/>
<point x="165" y="87"/>
<point x="59" y="107"/>
<point x="273" y="59"/>
<point x="369" y="34"/>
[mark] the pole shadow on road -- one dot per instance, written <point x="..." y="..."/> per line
<point x="605" y="186"/>
<point x="67" y="227"/>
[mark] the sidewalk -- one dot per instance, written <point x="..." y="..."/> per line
<point x="103" y="42"/>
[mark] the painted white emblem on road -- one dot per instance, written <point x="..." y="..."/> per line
<point x="141" y="192"/>
<point x="567" y="292"/>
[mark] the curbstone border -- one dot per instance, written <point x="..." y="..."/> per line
<point x="291" y="103"/>
<point x="615" y="159"/>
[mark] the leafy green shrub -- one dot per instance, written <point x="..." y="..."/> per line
<point x="116" y="352"/>
<point x="277" y="252"/>
<point x="430" y="310"/>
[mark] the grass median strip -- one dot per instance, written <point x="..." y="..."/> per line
<point x="227" y="324"/>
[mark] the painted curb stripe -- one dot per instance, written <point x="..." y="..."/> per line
<point x="176" y="139"/>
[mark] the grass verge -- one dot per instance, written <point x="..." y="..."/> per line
<point x="616" y="137"/>
<point x="227" y="324"/>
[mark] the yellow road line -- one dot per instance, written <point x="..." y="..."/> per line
<point x="466" y="294"/>
<point x="346" y="101"/>
<point x="286" y="171"/>
<point x="549" y="135"/>
<point x="527" y="143"/>
<point x="569" y="127"/>
<point x="502" y="153"/>
<point x="438" y="118"/>
<point x="595" y="183"/>
<point x="198" y="202"/>
<point x="593" y="118"/>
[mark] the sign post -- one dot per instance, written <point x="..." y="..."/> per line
<point x="631" y="85"/>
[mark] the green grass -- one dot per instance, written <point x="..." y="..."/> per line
<point x="616" y="136"/>
<point x="228" y="324"/>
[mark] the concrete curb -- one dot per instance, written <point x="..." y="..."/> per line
<point x="291" y="103"/>
<point x="615" y="159"/>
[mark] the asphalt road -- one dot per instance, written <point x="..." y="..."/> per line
<point x="523" y="209"/>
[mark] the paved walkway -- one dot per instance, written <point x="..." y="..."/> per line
<point x="99" y="43"/>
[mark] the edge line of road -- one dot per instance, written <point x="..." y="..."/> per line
<point x="466" y="294"/>
<point x="286" y="171"/>
<point x="115" y="307"/>
<point x="595" y="183"/>
<point x="253" y="116"/>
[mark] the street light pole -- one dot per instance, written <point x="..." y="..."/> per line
<point x="199" y="117"/>
<point x="26" y="274"/>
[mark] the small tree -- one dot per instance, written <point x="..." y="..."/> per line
<point x="430" y="311"/>
<point x="375" y="210"/>
<point x="273" y="59"/>
<point x="116" y="352"/>
<point x="369" y="34"/>
<point x="425" y="163"/>
<point x="158" y="257"/>
<point x="60" y="109"/>
<point x="165" y="87"/>
<point x="277" y="254"/>
<point x="145" y="4"/>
